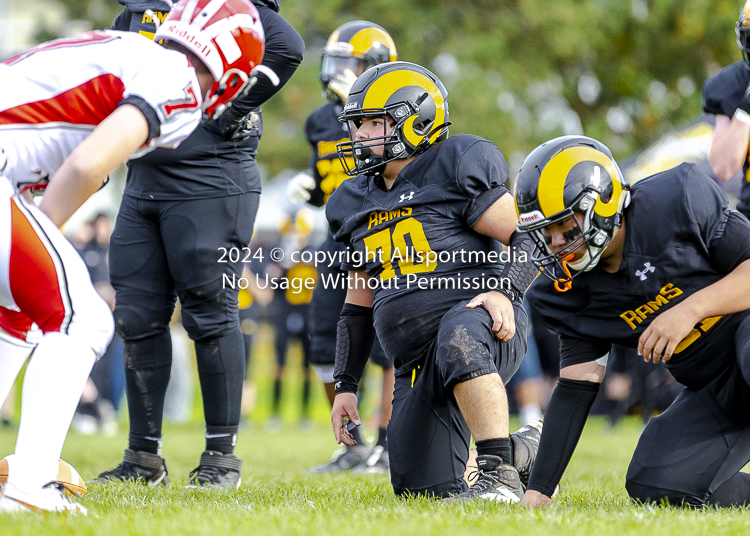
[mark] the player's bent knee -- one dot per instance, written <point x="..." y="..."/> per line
<point x="93" y="326"/>
<point x="132" y="323"/>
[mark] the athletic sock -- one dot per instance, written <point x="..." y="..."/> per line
<point x="500" y="446"/>
<point x="221" y="371"/>
<point x="141" y="443"/>
<point x="382" y="438"/>
<point x="276" y="404"/>
<point x="357" y="436"/>
<point x="221" y="438"/>
<point x="52" y="387"/>
<point x="148" y="364"/>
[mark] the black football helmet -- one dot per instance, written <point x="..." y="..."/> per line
<point x="407" y="94"/>
<point x="560" y="177"/>
<point x="355" y="46"/>
<point x="742" y="29"/>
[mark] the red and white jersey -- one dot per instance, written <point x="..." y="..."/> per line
<point x="52" y="97"/>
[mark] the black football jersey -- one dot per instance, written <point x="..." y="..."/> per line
<point x="324" y="131"/>
<point x="722" y="94"/>
<point x="672" y="226"/>
<point x="423" y="254"/>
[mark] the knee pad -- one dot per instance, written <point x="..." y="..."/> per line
<point x="133" y="322"/>
<point x="211" y="318"/>
<point x="151" y="352"/>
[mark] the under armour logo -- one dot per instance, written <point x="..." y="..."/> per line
<point x="405" y="198"/>
<point x="643" y="274"/>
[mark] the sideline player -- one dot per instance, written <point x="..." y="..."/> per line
<point x="663" y="267"/>
<point x="727" y="96"/>
<point x="71" y="111"/>
<point x="351" y="49"/>
<point x="419" y="193"/>
<point x="179" y="209"/>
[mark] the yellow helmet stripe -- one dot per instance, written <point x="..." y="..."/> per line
<point x="745" y="14"/>
<point x="553" y="176"/>
<point x="334" y="37"/>
<point x="364" y="40"/>
<point x="382" y="89"/>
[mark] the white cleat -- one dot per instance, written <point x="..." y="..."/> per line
<point x="50" y="498"/>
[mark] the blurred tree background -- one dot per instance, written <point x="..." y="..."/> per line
<point x="518" y="71"/>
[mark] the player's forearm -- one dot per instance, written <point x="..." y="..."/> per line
<point x="563" y="424"/>
<point x="68" y="190"/>
<point x="84" y="171"/>
<point x="729" y="147"/>
<point x="728" y="295"/>
<point x="355" y="336"/>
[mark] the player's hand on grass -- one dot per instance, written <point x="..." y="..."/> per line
<point x="501" y="311"/>
<point x="535" y="499"/>
<point x="344" y="412"/>
<point x="667" y="330"/>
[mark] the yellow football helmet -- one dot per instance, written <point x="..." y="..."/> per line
<point x="412" y="97"/>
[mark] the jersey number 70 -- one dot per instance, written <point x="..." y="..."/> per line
<point x="393" y="249"/>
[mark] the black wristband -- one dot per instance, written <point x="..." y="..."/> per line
<point x="354" y="339"/>
<point x="564" y="420"/>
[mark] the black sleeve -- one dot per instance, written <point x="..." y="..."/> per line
<point x="122" y="22"/>
<point x="730" y="245"/>
<point x="481" y="171"/>
<point x="354" y="339"/>
<point x="707" y="204"/>
<point x="564" y="420"/>
<point x="283" y="54"/>
<point x="723" y="92"/>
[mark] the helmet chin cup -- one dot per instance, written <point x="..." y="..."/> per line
<point x="372" y="163"/>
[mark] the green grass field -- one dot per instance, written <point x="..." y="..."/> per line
<point x="278" y="497"/>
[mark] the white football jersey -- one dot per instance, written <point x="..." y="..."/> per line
<point x="52" y="97"/>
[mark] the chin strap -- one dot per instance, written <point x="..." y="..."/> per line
<point x="565" y="284"/>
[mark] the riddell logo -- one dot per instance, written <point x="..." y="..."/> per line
<point x="189" y="38"/>
<point x="350" y="105"/>
<point x="531" y="217"/>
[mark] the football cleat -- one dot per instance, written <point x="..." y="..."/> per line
<point x="495" y="481"/>
<point x="144" y="467"/>
<point x="344" y="460"/>
<point x="217" y="471"/>
<point x="50" y="498"/>
<point x="525" y="446"/>
<point x="376" y="463"/>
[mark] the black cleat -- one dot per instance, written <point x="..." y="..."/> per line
<point x="344" y="459"/>
<point x="525" y="446"/>
<point x="377" y="463"/>
<point x="216" y="470"/>
<point x="495" y="481"/>
<point x="140" y="466"/>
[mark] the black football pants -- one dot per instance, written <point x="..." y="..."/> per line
<point x="162" y="250"/>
